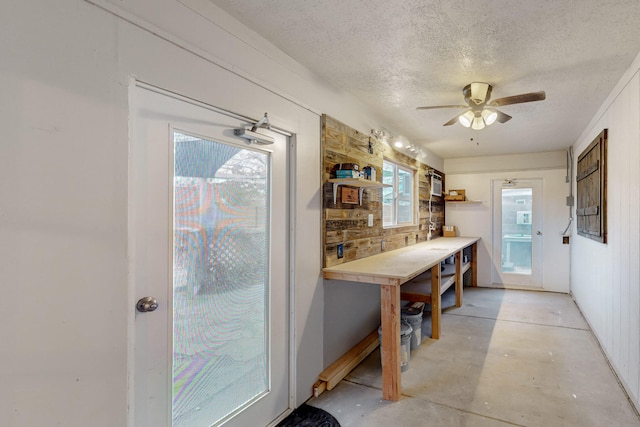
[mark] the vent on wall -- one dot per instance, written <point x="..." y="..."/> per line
<point x="436" y="184"/>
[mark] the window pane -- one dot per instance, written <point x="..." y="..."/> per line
<point x="405" y="196"/>
<point x="388" y="177"/>
<point x="516" y="230"/>
<point x="220" y="270"/>
<point x="397" y="201"/>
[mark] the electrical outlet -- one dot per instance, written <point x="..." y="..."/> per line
<point x="382" y="245"/>
<point x="370" y="220"/>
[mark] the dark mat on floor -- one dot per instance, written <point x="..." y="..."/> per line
<point x="308" y="416"/>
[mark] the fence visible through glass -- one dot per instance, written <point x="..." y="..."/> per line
<point x="220" y="293"/>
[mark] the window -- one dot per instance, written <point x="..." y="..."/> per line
<point x="397" y="201"/>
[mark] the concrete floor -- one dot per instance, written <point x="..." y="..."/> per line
<point x="506" y="358"/>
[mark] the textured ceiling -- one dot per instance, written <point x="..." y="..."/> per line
<point x="396" y="55"/>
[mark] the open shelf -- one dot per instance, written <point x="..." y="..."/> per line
<point x="464" y="202"/>
<point x="360" y="183"/>
<point x="419" y="288"/>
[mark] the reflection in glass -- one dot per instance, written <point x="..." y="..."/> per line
<point x="516" y="230"/>
<point x="220" y="346"/>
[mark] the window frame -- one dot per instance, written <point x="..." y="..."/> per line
<point x="398" y="169"/>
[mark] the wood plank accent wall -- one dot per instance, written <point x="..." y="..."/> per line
<point x="345" y="223"/>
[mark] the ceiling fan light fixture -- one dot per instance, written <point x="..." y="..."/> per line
<point x="479" y="92"/>
<point x="477" y="124"/>
<point x="481" y="111"/>
<point x="489" y="116"/>
<point x="466" y="119"/>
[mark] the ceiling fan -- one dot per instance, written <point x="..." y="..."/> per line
<point x="480" y="111"/>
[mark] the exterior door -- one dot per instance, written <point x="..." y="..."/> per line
<point x="517" y="235"/>
<point x="209" y="245"/>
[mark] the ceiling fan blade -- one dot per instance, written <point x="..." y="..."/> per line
<point x="442" y="106"/>
<point x="518" y="99"/>
<point x="455" y="119"/>
<point x="502" y="117"/>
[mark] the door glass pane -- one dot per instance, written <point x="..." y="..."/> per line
<point x="516" y="230"/>
<point x="220" y="346"/>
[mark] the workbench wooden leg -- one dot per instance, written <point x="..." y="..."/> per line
<point x="390" y="354"/>
<point x="459" y="280"/>
<point x="474" y="264"/>
<point x="436" y="301"/>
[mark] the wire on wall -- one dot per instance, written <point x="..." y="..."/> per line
<point x="432" y="225"/>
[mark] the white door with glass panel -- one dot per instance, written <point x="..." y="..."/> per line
<point x="208" y="249"/>
<point x="517" y="232"/>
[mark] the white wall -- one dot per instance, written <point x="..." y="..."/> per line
<point x="605" y="278"/>
<point x="64" y="81"/>
<point x="475" y="176"/>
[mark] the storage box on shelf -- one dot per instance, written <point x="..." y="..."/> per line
<point x="449" y="231"/>
<point x="455" y="196"/>
<point x="359" y="183"/>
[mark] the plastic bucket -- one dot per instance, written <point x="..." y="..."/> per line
<point x="405" y="344"/>
<point x="413" y="316"/>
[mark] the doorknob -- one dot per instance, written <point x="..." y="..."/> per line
<point x="539" y="233"/>
<point x="146" y="304"/>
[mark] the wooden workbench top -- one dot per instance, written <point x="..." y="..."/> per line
<point x="399" y="265"/>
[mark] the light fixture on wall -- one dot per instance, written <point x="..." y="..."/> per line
<point x="390" y="140"/>
<point x="378" y="133"/>
<point x="382" y="135"/>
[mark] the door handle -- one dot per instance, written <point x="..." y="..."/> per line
<point x="146" y="304"/>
